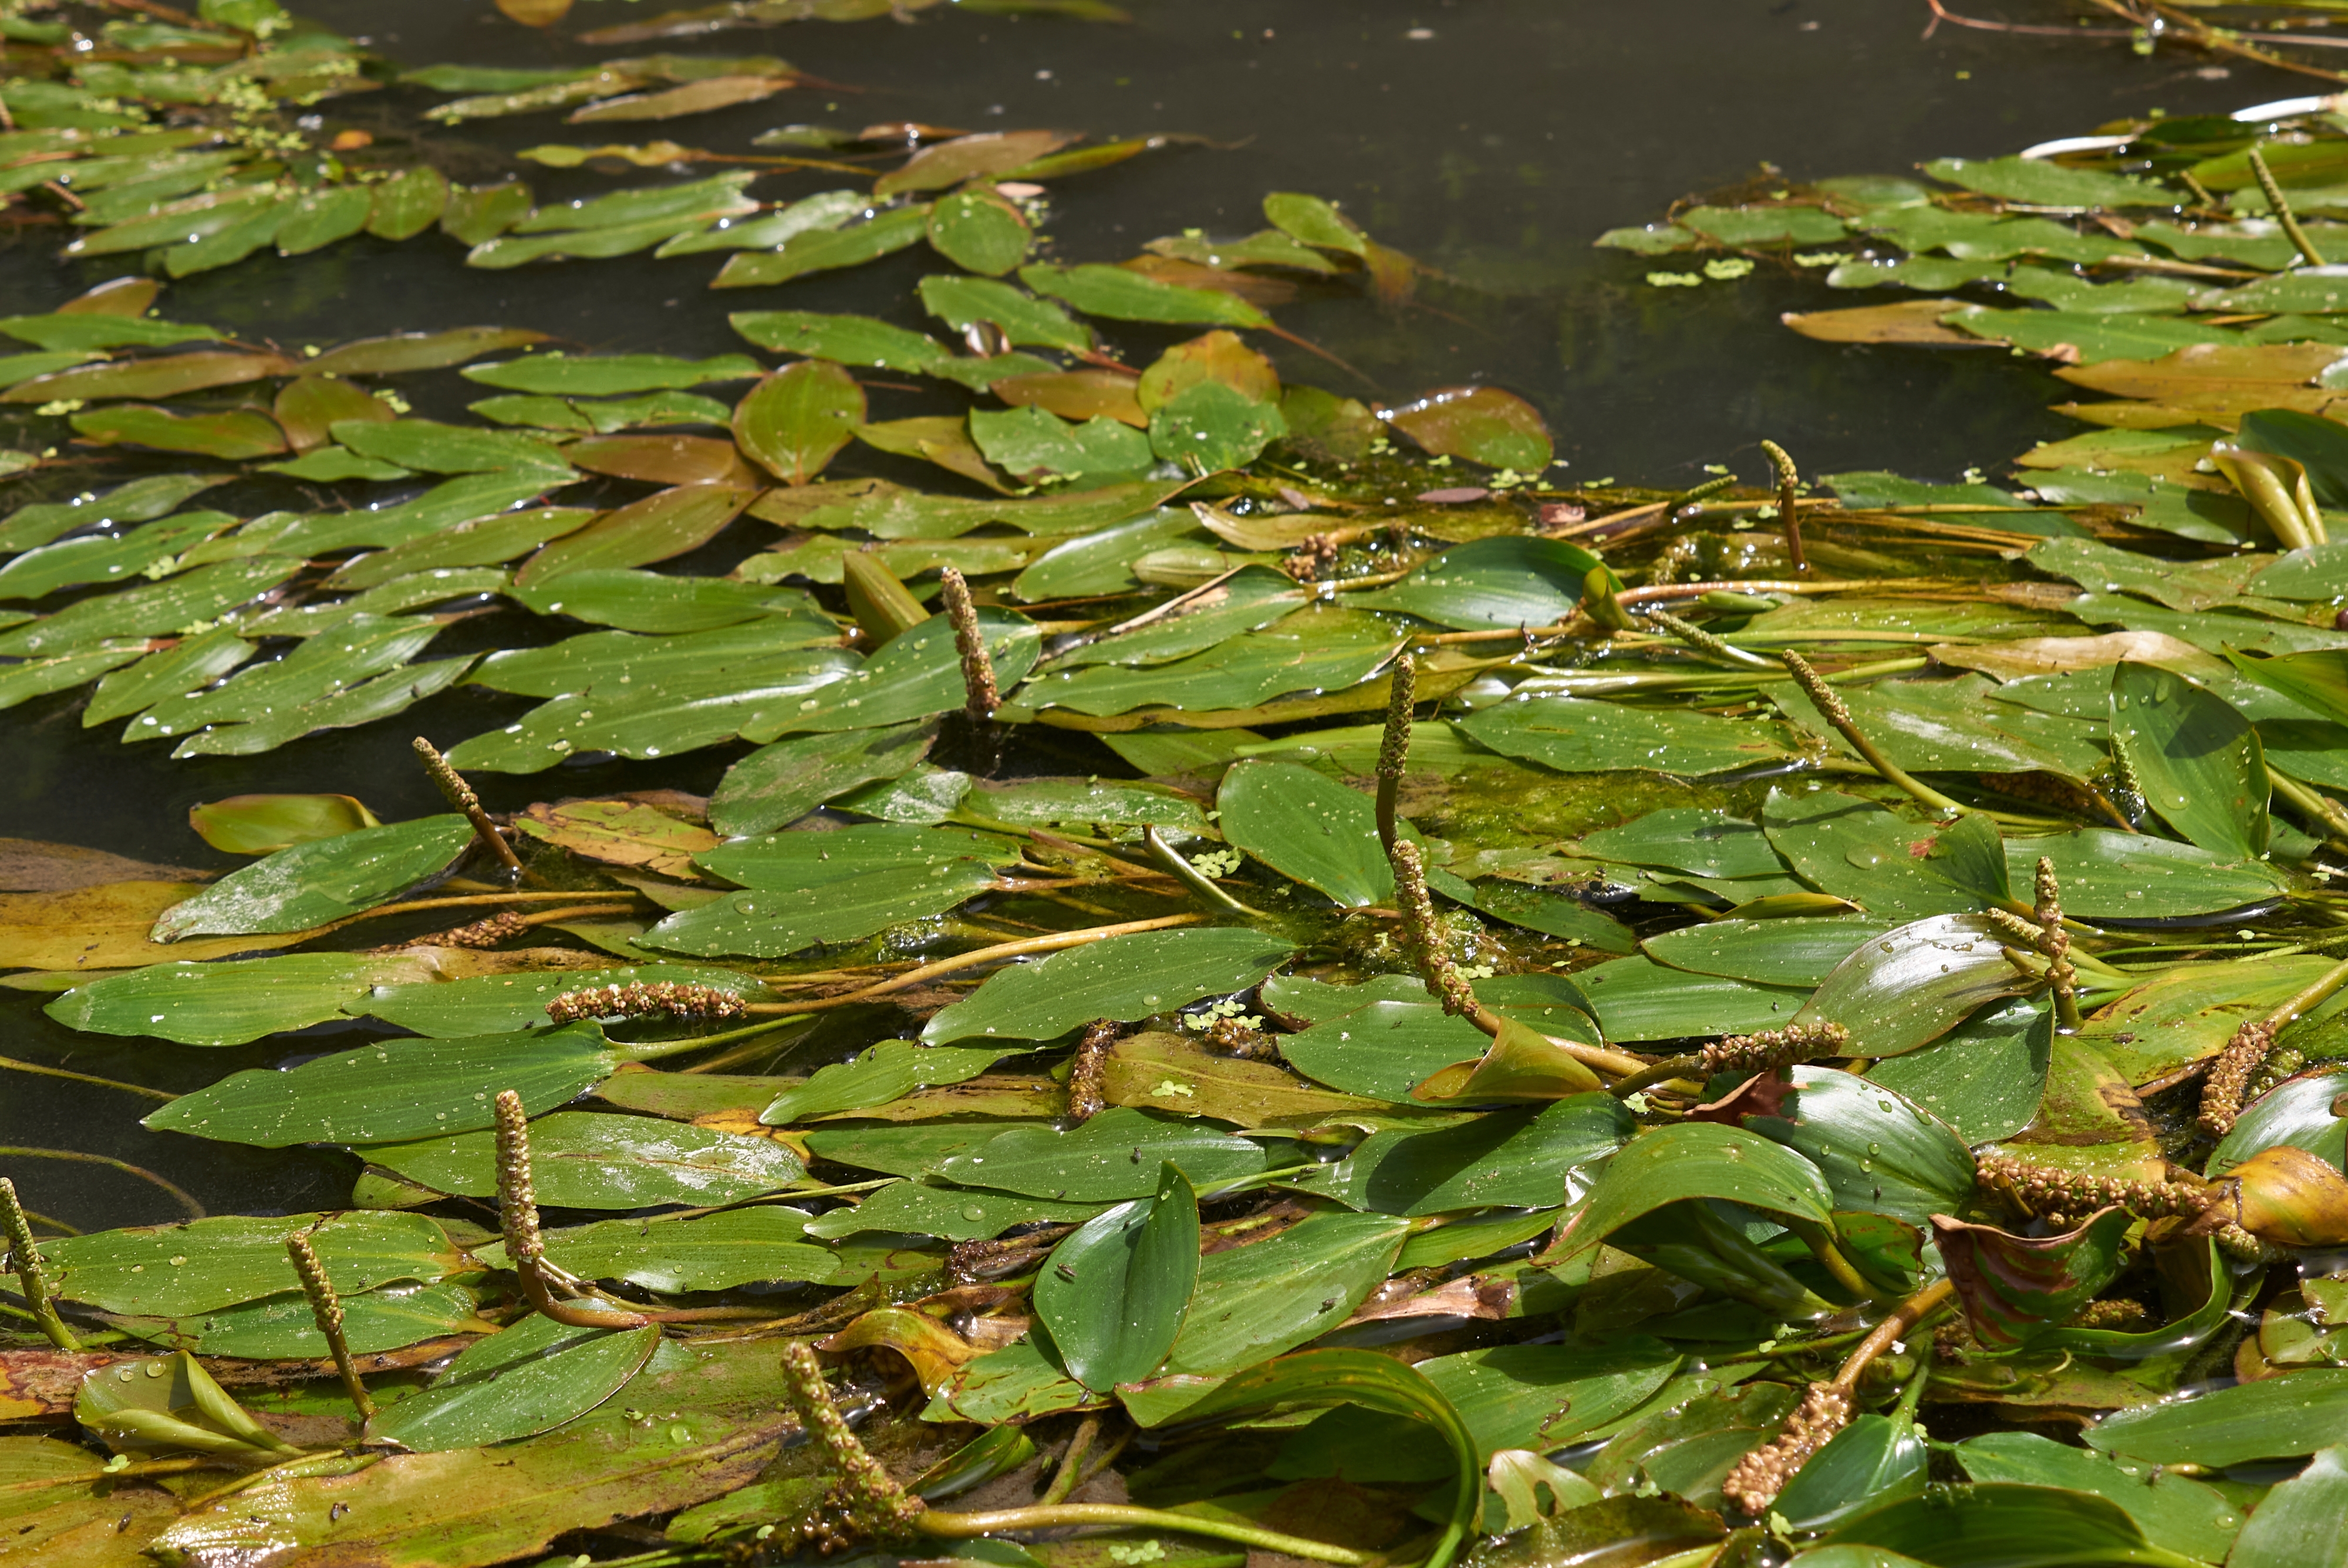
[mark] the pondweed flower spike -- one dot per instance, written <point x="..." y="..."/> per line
<point x="2015" y="928"/>
<point x="2229" y="1073"/>
<point x="668" y="999"/>
<point x="981" y="697"/>
<point x="1789" y="484"/>
<point x="1085" y="1098"/>
<point x="1696" y="495"/>
<point x="328" y="1312"/>
<point x="1698" y="638"/>
<point x="1424" y="942"/>
<point x="2051" y="1192"/>
<point x="517" y="1213"/>
<point x="1826" y="1409"/>
<point x="2282" y="212"/>
<point x="1394" y="746"/>
<point x="26" y="1260"/>
<point x="459" y="794"/>
<point x="2056" y="944"/>
<point x="866" y="1500"/>
<point x="1763" y="1052"/>
<point x="1835" y="712"/>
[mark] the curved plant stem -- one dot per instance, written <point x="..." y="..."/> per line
<point x="1060" y="1516"/>
<point x="1064" y="1479"/>
<point x="2282" y="212"/>
<point x="11" y="1064"/>
<point x="1190" y="877"/>
<point x="1891" y="1330"/>
<point x="327" y="1309"/>
<point x="180" y="1195"/>
<point x="1831" y="706"/>
<point x="26" y="1258"/>
<point x="1050" y="942"/>
<point x="518" y="1211"/>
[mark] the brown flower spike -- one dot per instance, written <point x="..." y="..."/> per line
<point x="639" y="1000"/>
<point x="982" y="698"/>
<point x="866" y="1501"/>
<point x="1762" y="1473"/>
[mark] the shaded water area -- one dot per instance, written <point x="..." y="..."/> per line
<point x="1492" y="139"/>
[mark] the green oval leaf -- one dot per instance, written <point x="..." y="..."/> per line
<point x="1114" y="1293"/>
<point x="1123" y="978"/>
<point x="528" y="1378"/>
<point x="311" y="884"/>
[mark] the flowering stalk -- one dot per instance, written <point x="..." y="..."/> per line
<point x="2282" y="212"/>
<point x="1826" y="1409"/>
<point x="2055" y="943"/>
<point x="982" y="698"/>
<point x="1424" y="942"/>
<point x="668" y="999"/>
<point x="867" y="1502"/>
<point x="1394" y="746"/>
<point x="26" y="1258"/>
<point x="327" y="1310"/>
<point x="1763" y="1052"/>
<point x="518" y="1212"/>
<point x="1789" y="481"/>
<point x="1698" y="638"/>
<point x="2229" y="1073"/>
<point x="460" y="795"/>
<point x="1835" y="712"/>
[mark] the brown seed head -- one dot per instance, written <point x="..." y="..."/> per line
<point x="639" y="999"/>
<point x="1775" y="1048"/>
<point x="1762" y="1473"/>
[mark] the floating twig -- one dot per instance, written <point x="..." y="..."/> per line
<point x="25" y="1259"/>
<point x="327" y="1310"/>
<point x="460" y="795"/>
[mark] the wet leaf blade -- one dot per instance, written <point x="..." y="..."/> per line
<point x="1114" y="1293"/>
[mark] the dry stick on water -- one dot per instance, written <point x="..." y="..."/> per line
<point x="459" y="794"/>
<point x="1789" y="484"/>
<point x="867" y="1501"/>
<point x="2055" y="943"/>
<point x="981" y="697"/>
<point x="26" y="1258"/>
<point x="328" y="1312"/>
<point x="1394" y="746"/>
<point x="1830" y="705"/>
<point x="2282" y="212"/>
<point x="1826" y="1409"/>
<point x="2229" y="1072"/>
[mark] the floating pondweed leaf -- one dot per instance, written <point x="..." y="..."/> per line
<point x="1111" y="1158"/>
<point x="2197" y="760"/>
<point x="2171" y="1020"/>
<point x="1907" y="988"/>
<point x="1128" y="296"/>
<point x="2186" y="1514"/>
<point x="138" y="501"/>
<point x="1384" y="1048"/>
<point x="952" y="1213"/>
<point x="1637" y="999"/>
<point x="714" y="1252"/>
<point x="2296" y="1414"/>
<point x="1123" y="978"/>
<point x="888" y="1071"/>
<point x="590" y="1159"/>
<point x="778" y="784"/>
<point x="1996" y="1522"/>
<point x="324" y="879"/>
<point x="2111" y="876"/>
<point x="283" y="1326"/>
<point x="1695" y="1159"/>
<point x="1797" y="952"/>
<point x="1172" y="1074"/>
<point x="820" y="249"/>
<point x="1507" y="1158"/>
<point x="1575" y="735"/>
<point x="1482" y="423"/>
<point x="229" y="1004"/>
<point x="1879" y="1153"/>
<point x="264" y="824"/>
<point x="1309" y="827"/>
<point x="522" y="1380"/>
<point x="204" y="1266"/>
<point x="231" y="437"/>
<point x="1984" y="1078"/>
<point x="1116" y="1292"/>
<point x="763" y="923"/>
<point x="1928" y="726"/>
<point x="1315" y="651"/>
<point x="173" y="1406"/>
<point x="603" y="376"/>
<point x="1022" y="318"/>
<point x="395" y="1090"/>
<point x="1888" y="864"/>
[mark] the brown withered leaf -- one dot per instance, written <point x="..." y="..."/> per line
<point x="36" y="866"/>
<point x="106" y="927"/>
<point x="621" y="832"/>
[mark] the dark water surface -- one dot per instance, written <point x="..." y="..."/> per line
<point x="1491" y="139"/>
